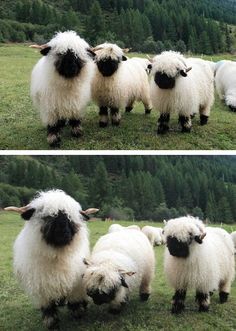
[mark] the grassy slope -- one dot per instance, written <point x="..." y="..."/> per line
<point x="21" y="127"/>
<point x="16" y="309"/>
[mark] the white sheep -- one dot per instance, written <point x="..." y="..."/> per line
<point x="197" y="258"/>
<point x="233" y="236"/>
<point x="225" y="81"/>
<point x="146" y="63"/>
<point x="118" y="227"/>
<point x="182" y="86"/>
<point x="118" y="83"/>
<point x="154" y="235"/>
<point x="49" y="253"/>
<point x="61" y="83"/>
<point x="121" y="262"/>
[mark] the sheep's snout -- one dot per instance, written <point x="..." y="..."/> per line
<point x="68" y="64"/>
<point x="58" y="230"/>
<point x="177" y="248"/>
<point x="163" y="81"/>
<point x="108" y="66"/>
<point x="101" y="297"/>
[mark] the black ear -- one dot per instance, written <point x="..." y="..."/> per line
<point x="124" y="58"/>
<point x="45" y="51"/>
<point x="183" y="73"/>
<point x="28" y="214"/>
<point x="198" y="239"/>
<point x="123" y="282"/>
<point x="91" y="53"/>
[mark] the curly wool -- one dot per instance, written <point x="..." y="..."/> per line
<point x="153" y="234"/>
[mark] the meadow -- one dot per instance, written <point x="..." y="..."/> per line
<point x="21" y="128"/>
<point x="17" y="313"/>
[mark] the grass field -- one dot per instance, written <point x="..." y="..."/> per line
<point x="21" y="128"/>
<point x="17" y="313"/>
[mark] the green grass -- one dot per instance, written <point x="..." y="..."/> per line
<point x="17" y="313"/>
<point x="21" y="128"/>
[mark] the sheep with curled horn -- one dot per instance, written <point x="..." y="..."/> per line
<point x="118" y="82"/>
<point x="199" y="258"/>
<point x="120" y="262"/>
<point x="49" y="253"/>
<point x="182" y="86"/>
<point x="61" y="82"/>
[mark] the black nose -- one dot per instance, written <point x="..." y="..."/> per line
<point x="163" y="81"/>
<point x="177" y="248"/>
<point x="107" y="67"/>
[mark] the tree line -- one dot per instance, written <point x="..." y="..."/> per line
<point x="129" y="187"/>
<point x="147" y="26"/>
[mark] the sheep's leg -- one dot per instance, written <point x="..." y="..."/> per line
<point x="147" y="103"/>
<point x="103" y="112"/>
<point x="120" y="300"/>
<point x="178" y="302"/>
<point x="163" y="121"/>
<point x="115" y="116"/>
<point x="204" y="114"/>
<point x="145" y="288"/>
<point x="129" y="106"/>
<point x="185" y="122"/>
<point x="53" y="133"/>
<point x="224" y="290"/>
<point x="50" y="318"/>
<point x="203" y="300"/>
<point x="77" y="308"/>
<point x="76" y="129"/>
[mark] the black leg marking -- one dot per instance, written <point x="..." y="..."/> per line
<point x="223" y="297"/>
<point x="53" y="133"/>
<point x="163" y="121"/>
<point x="203" y="301"/>
<point x="148" y="111"/>
<point x="192" y="116"/>
<point x="50" y="318"/>
<point x="114" y="311"/>
<point x="185" y="123"/>
<point x="128" y="109"/>
<point x="203" y="119"/>
<point x="76" y="129"/>
<point x="144" y="296"/>
<point x="232" y="108"/>
<point x="115" y="116"/>
<point x="103" y="112"/>
<point x="178" y="302"/>
<point x="77" y="308"/>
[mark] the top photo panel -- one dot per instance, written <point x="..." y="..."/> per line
<point x="118" y="75"/>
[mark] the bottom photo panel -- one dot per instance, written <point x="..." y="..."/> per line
<point x="117" y="242"/>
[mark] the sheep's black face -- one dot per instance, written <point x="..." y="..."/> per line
<point x="68" y="64"/>
<point x="177" y="248"/>
<point x="100" y="297"/>
<point x="58" y="230"/>
<point x="163" y="81"/>
<point x="108" y="66"/>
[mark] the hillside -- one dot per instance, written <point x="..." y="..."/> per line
<point x="203" y="26"/>
<point x="127" y="187"/>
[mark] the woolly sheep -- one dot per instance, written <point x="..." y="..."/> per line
<point x="233" y="236"/>
<point x="146" y="63"/>
<point x="118" y="227"/>
<point x="61" y="83"/>
<point x="225" y="80"/>
<point x="49" y="253"/>
<point x="120" y="262"/>
<point x="197" y="258"/>
<point x="154" y="235"/>
<point x="118" y="83"/>
<point x="182" y="86"/>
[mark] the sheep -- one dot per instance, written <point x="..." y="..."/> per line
<point x="181" y="86"/>
<point x="198" y="258"/>
<point x="120" y="262"/>
<point x="61" y="84"/>
<point x="49" y="253"/>
<point x="154" y="235"/>
<point x="118" y="82"/>
<point x="146" y="63"/>
<point x="225" y="81"/>
<point x="118" y="227"/>
<point x="233" y="236"/>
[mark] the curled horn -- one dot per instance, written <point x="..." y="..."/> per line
<point x="202" y="236"/>
<point x="126" y="50"/>
<point x="188" y="69"/>
<point x="149" y="58"/>
<point x="39" y="46"/>
<point x="87" y="212"/>
<point x="19" y="210"/>
<point x="97" y="48"/>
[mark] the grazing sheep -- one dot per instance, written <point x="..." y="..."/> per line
<point x="182" y="86"/>
<point x="49" y="253"/>
<point x="154" y="235"/>
<point x="225" y="80"/>
<point x="60" y="83"/>
<point x="118" y="83"/>
<point x="197" y="258"/>
<point x="120" y="262"/>
<point x="233" y="236"/>
<point x="118" y="227"/>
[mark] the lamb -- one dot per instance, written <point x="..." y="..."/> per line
<point x="225" y="81"/>
<point x="118" y="82"/>
<point x="198" y="258"/>
<point x="120" y="262"/>
<point x="118" y="227"/>
<point x="154" y="235"/>
<point x="49" y="253"/>
<point x="182" y="86"/>
<point x="61" y="84"/>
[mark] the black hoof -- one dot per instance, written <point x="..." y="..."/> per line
<point x="128" y="109"/>
<point x="144" y="296"/>
<point x="203" y="309"/>
<point x="162" y="129"/>
<point x="103" y="124"/>
<point x="223" y="297"/>
<point x="114" y="311"/>
<point x="177" y="308"/>
<point x="54" y="142"/>
<point x="148" y="111"/>
<point x="115" y="123"/>
<point x="77" y="133"/>
<point x="203" y="119"/>
<point x="186" y="130"/>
